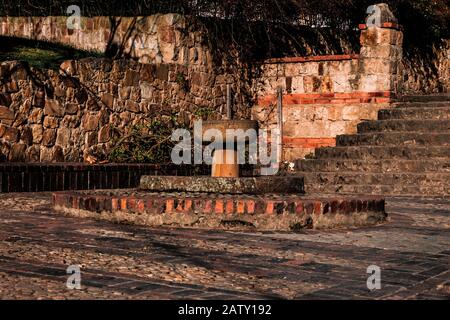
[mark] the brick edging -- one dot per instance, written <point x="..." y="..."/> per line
<point x="219" y="204"/>
<point x="385" y="25"/>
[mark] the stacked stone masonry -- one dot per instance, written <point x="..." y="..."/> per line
<point x="406" y="151"/>
<point x="329" y="95"/>
<point x="65" y="116"/>
<point x="151" y="39"/>
<point x="48" y="116"/>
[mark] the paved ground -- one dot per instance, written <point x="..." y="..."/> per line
<point x="128" y="262"/>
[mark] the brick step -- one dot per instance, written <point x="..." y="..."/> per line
<point x="410" y="152"/>
<point x="338" y="181"/>
<point x="404" y="126"/>
<point x="381" y="166"/>
<point x="379" y="189"/>
<point x="426" y="98"/>
<point x="394" y="138"/>
<point x="439" y="113"/>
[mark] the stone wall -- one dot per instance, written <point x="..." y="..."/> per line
<point x="429" y="73"/>
<point x="151" y="39"/>
<point x="68" y="115"/>
<point x="326" y="96"/>
<point x="51" y="116"/>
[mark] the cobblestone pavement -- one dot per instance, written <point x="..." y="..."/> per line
<point x="130" y="262"/>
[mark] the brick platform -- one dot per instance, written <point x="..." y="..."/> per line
<point x="267" y="212"/>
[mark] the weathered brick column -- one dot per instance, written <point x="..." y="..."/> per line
<point x="380" y="58"/>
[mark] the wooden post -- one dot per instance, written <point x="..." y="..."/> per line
<point x="229" y="102"/>
<point x="225" y="164"/>
<point x="280" y="122"/>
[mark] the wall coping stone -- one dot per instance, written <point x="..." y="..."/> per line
<point x="311" y="59"/>
<point x="385" y="25"/>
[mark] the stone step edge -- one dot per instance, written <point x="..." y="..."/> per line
<point x="428" y="160"/>
<point x="404" y="120"/>
<point x="433" y="194"/>
<point x="426" y="176"/>
<point x="429" y="133"/>
<point x="320" y="189"/>
<point x="373" y="160"/>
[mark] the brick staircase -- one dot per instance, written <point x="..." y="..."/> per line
<point x="405" y="152"/>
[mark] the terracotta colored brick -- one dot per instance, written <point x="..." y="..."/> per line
<point x="115" y="204"/>
<point x="322" y="101"/>
<point x="269" y="207"/>
<point x="218" y="208"/>
<point x="309" y="142"/>
<point x="240" y="207"/>
<point x="353" y="100"/>
<point x="229" y="208"/>
<point x="169" y="206"/>
<point x="123" y="204"/>
<point x="207" y="208"/>
<point x="337" y="101"/>
<point x="343" y="95"/>
<point x="250" y="206"/>
<point x="367" y="100"/>
<point x="291" y="99"/>
<point x="317" y="208"/>
<point x="383" y="100"/>
<point x="387" y="25"/>
<point x="187" y="205"/>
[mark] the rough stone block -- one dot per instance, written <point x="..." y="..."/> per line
<point x="53" y="108"/>
<point x="90" y="122"/>
<point x="6" y="114"/>
<point x="49" y="137"/>
<point x="11" y="135"/>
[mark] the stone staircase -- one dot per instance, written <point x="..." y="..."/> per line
<point x="405" y="152"/>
